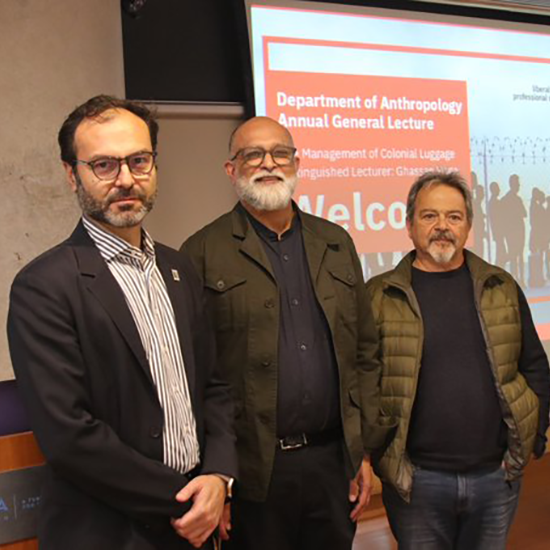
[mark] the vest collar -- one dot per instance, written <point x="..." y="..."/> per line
<point x="480" y="270"/>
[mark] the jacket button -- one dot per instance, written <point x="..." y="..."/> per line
<point x="266" y="363"/>
<point x="269" y="303"/>
<point x="154" y="432"/>
<point x="220" y="284"/>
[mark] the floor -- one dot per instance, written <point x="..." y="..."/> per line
<point x="531" y="529"/>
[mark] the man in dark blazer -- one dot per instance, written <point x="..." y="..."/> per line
<point x="115" y="358"/>
<point x="296" y="339"/>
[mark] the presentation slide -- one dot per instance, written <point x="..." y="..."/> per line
<point x="374" y="99"/>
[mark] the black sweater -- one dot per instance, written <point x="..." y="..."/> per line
<point x="457" y="422"/>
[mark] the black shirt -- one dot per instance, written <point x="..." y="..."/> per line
<point x="307" y="395"/>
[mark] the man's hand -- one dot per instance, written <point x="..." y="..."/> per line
<point x="208" y="495"/>
<point x="360" y="489"/>
<point x="225" y="522"/>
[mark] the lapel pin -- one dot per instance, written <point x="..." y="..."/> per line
<point x="176" y="275"/>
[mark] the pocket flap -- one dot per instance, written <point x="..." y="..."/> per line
<point x="223" y="282"/>
<point x="344" y="274"/>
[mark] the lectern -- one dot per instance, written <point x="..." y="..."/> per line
<point x="20" y="474"/>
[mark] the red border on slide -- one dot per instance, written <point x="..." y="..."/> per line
<point x="392" y="48"/>
<point x="538" y="299"/>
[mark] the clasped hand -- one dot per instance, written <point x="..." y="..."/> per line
<point x="207" y="492"/>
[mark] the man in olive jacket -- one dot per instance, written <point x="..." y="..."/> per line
<point x="465" y="376"/>
<point x="296" y="340"/>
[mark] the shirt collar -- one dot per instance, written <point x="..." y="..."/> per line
<point x="110" y="245"/>
<point x="267" y="233"/>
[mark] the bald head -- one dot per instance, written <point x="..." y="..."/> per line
<point x="256" y="128"/>
<point x="263" y="165"/>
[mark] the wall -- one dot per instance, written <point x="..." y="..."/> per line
<point x="193" y="187"/>
<point x="53" y="55"/>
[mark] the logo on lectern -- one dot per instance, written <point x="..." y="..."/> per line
<point x="3" y="506"/>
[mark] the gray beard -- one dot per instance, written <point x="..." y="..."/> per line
<point x="266" y="197"/>
<point x="442" y="257"/>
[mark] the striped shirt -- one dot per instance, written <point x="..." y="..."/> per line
<point x="145" y="292"/>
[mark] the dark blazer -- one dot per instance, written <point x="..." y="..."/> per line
<point x="84" y="376"/>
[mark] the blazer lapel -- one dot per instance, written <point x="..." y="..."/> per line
<point x="101" y="283"/>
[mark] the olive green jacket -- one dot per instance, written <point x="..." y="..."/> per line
<point x="399" y="322"/>
<point x="243" y="299"/>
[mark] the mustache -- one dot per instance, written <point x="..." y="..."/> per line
<point x="121" y="194"/>
<point x="443" y="235"/>
<point x="267" y="174"/>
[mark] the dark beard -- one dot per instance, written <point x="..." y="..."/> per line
<point x="99" y="210"/>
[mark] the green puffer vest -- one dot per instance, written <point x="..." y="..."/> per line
<point x="400" y="327"/>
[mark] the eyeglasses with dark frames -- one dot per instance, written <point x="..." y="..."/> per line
<point x="254" y="156"/>
<point x="108" y="168"/>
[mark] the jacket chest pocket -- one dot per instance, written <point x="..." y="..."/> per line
<point x="345" y="284"/>
<point x="226" y="295"/>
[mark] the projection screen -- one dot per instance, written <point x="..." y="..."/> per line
<point x="376" y="97"/>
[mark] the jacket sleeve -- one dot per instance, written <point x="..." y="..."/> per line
<point x="533" y="365"/>
<point x="80" y="447"/>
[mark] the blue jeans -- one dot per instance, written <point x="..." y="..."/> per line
<point x="453" y="511"/>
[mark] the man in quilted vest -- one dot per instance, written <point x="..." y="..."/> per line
<point x="465" y="378"/>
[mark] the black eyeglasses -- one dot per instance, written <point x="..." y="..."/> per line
<point x="254" y="156"/>
<point x="108" y="168"/>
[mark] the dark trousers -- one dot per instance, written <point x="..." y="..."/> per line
<point x="307" y="507"/>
